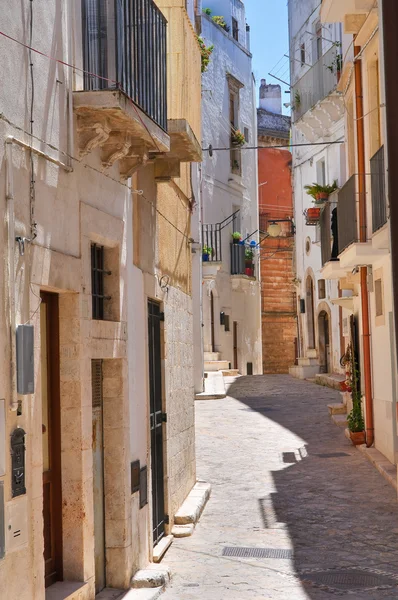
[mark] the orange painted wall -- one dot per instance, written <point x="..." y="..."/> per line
<point x="279" y="322"/>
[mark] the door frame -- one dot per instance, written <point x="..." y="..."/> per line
<point x="235" y="344"/>
<point x="53" y="573"/>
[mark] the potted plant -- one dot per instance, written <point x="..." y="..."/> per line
<point x="336" y="66"/>
<point x="220" y="21"/>
<point x="356" y="425"/>
<point x="320" y="193"/>
<point x="206" y="253"/>
<point x="236" y="237"/>
<point x="249" y="269"/>
<point x="237" y="138"/>
<point x="313" y="215"/>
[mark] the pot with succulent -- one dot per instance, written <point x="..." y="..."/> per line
<point x="236" y="237"/>
<point x="207" y="251"/>
<point x="320" y="193"/>
<point x="237" y="138"/>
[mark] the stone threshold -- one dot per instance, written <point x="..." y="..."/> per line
<point x="382" y="464"/>
<point x="192" y="507"/>
<point x="161" y="548"/>
<point x="67" y="590"/>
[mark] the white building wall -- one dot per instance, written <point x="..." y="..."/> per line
<point x="303" y="22"/>
<point x="225" y="192"/>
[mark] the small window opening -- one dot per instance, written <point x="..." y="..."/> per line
<point x="302" y="54"/>
<point x="98" y="274"/>
<point x="235" y="29"/>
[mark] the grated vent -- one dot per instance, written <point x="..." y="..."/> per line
<point x="240" y="552"/>
<point x="350" y="579"/>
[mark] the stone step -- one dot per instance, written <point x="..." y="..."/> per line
<point x="308" y="362"/>
<point x="211" y="356"/>
<point x="340" y="420"/>
<point x="216" y="365"/>
<point x="154" y="576"/>
<point x="230" y="373"/>
<point x="332" y="380"/>
<point x="337" y="409"/>
<point x="301" y="372"/>
<point x="214" y="387"/>
<point x="193" y="505"/>
<point x="161" y="548"/>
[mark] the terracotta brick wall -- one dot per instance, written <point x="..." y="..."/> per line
<point x="279" y="326"/>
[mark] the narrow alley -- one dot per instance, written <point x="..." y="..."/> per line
<point x="285" y="480"/>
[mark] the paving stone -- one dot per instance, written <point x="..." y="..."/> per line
<point x="260" y="450"/>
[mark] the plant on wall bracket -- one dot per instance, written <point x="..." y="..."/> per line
<point x="206" y="52"/>
<point x="237" y="138"/>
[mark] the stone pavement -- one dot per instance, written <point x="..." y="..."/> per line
<point x="266" y="449"/>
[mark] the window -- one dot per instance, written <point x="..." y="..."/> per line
<point x="321" y="289"/>
<point x="321" y="172"/>
<point x="379" y="297"/>
<point x="235" y="29"/>
<point x="246" y="134"/>
<point x="302" y="54"/>
<point x="100" y="283"/>
<point x="318" y="38"/>
<point x="226" y="323"/>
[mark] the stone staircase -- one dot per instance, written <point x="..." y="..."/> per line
<point x="213" y="362"/>
<point x="307" y="368"/>
<point x="339" y="411"/>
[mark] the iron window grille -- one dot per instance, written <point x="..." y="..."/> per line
<point x="98" y="273"/>
<point x="235" y="29"/>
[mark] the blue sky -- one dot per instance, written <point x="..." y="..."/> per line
<point x="269" y="39"/>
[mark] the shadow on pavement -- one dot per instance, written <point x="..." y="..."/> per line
<point x="339" y="512"/>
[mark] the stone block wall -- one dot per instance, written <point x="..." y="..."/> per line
<point x="180" y="436"/>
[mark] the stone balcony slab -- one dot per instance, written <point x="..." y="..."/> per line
<point x="109" y="120"/>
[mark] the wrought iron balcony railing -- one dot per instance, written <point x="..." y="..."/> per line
<point x="211" y="238"/>
<point x="124" y="47"/>
<point x="329" y="232"/>
<point x="347" y="214"/>
<point x="379" y="200"/>
<point x="240" y="265"/>
<point x="317" y="83"/>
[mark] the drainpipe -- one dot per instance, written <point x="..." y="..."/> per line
<point x="11" y="271"/>
<point x="363" y="239"/>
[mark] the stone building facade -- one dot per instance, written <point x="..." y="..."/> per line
<point x="96" y="238"/>
<point x="231" y="290"/>
<point x="279" y="312"/>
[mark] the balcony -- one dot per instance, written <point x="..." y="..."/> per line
<point x="329" y="231"/>
<point x="122" y="108"/>
<point x="379" y="200"/>
<point x="240" y="265"/>
<point x="317" y="105"/>
<point x="347" y="215"/>
<point x="183" y="83"/>
<point x="211" y="238"/>
<point x="339" y="11"/>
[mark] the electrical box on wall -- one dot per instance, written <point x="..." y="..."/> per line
<point x="25" y="359"/>
<point x="17" y="524"/>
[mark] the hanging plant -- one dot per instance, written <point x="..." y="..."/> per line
<point x="220" y="21"/>
<point x="237" y="138"/>
<point x="207" y="11"/>
<point x="206" y="52"/>
<point x="320" y="193"/>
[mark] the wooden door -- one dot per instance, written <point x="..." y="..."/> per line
<point x="51" y="432"/>
<point x="235" y="338"/>
<point x="156" y="421"/>
<point x="98" y="475"/>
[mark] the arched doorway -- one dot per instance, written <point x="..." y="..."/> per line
<point x="324" y="342"/>
<point x="310" y="311"/>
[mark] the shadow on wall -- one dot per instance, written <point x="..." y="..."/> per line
<point x="319" y="500"/>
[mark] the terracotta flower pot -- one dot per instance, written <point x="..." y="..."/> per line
<point x="357" y="437"/>
<point x="313" y="213"/>
<point x="322" y="196"/>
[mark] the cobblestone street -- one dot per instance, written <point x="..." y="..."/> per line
<point x="285" y="478"/>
